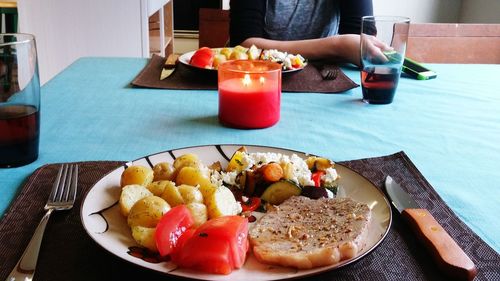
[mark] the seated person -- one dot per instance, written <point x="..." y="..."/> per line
<point x="316" y="29"/>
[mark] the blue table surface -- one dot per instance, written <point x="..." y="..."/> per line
<point x="449" y="127"/>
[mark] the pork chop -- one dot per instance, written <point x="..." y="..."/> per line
<point x="306" y="233"/>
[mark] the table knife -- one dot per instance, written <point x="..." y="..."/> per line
<point x="169" y="66"/>
<point x="450" y="258"/>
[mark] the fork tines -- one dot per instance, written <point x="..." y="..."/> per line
<point x="64" y="188"/>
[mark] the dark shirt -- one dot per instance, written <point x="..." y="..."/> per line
<point x="248" y="19"/>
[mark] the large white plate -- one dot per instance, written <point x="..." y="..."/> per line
<point x="103" y="222"/>
<point x="186" y="58"/>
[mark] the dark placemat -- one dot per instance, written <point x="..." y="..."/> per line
<point x="189" y="78"/>
<point x="68" y="253"/>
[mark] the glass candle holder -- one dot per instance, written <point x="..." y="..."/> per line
<point x="249" y="93"/>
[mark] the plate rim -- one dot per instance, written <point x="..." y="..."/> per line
<point x="169" y="273"/>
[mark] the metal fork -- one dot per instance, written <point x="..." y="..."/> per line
<point x="329" y="74"/>
<point x="62" y="197"/>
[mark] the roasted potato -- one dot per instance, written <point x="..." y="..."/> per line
<point x="191" y="176"/>
<point x="190" y="194"/>
<point x="163" y="171"/>
<point x="157" y="187"/>
<point x="186" y="160"/>
<point x="172" y="195"/>
<point x="136" y="175"/>
<point x="145" y="237"/>
<point x="130" y="195"/>
<point x="221" y="202"/>
<point x="199" y="212"/>
<point x="147" y="211"/>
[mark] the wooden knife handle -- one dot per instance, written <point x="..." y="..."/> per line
<point x="451" y="259"/>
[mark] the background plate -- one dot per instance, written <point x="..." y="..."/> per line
<point x="104" y="223"/>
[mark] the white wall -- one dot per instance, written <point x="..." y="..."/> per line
<point x="420" y="10"/>
<point x="480" y="11"/>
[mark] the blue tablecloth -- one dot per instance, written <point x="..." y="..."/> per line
<point x="449" y="127"/>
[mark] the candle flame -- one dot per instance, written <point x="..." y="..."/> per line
<point x="246" y="80"/>
<point x="262" y="80"/>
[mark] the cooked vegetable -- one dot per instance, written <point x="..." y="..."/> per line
<point x="315" y="163"/>
<point x="314" y="192"/>
<point x="186" y="160"/>
<point x="171" y="227"/>
<point x="221" y="202"/>
<point x="163" y="171"/>
<point x="279" y="191"/>
<point x="252" y="204"/>
<point x="316" y="177"/>
<point x="136" y="175"/>
<point x="199" y="212"/>
<point x="217" y="246"/>
<point x="145" y="237"/>
<point x="157" y="187"/>
<point x="272" y="172"/>
<point x="130" y="195"/>
<point x="147" y="211"/>
<point x="190" y="194"/>
<point x="236" y="162"/>
<point x="172" y="195"/>
<point x="193" y="176"/>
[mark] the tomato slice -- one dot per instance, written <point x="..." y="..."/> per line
<point x="171" y="227"/>
<point x="217" y="246"/>
<point x="203" y="57"/>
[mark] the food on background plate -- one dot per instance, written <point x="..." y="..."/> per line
<point x="176" y="208"/>
<point x="306" y="233"/>
<point x="212" y="58"/>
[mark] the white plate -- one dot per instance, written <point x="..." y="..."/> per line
<point x="103" y="221"/>
<point x="186" y="57"/>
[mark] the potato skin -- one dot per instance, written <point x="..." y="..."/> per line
<point x="145" y="237"/>
<point x="147" y="211"/>
<point x="186" y="160"/>
<point x="130" y="195"/>
<point x="163" y="171"/>
<point x="136" y="175"/>
<point x="190" y="194"/>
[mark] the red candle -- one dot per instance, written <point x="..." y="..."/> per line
<point x="249" y="94"/>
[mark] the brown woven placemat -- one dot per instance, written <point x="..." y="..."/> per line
<point x="189" y="78"/>
<point x="68" y="253"/>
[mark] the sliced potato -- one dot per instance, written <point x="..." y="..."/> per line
<point x="147" y="211"/>
<point x="157" y="187"/>
<point x="226" y="52"/>
<point x="186" y="160"/>
<point x="222" y="203"/>
<point x="190" y="194"/>
<point x="163" y="171"/>
<point x="172" y="195"/>
<point x="145" y="237"/>
<point x="130" y="195"/>
<point x="136" y="175"/>
<point x="199" y="212"/>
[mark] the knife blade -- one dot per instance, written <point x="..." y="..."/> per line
<point x="450" y="258"/>
<point x="169" y="66"/>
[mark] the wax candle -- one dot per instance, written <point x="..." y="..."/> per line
<point x="249" y="94"/>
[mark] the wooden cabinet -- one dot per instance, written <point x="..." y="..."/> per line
<point x="67" y="30"/>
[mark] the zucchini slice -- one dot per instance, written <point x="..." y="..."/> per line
<point x="279" y="191"/>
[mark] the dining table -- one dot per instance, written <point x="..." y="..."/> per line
<point x="447" y="127"/>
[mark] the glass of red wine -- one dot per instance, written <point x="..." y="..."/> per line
<point x="383" y="47"/>
<point x="19" y="100"/>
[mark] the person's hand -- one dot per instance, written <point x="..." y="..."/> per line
<point x="372" y="49"/>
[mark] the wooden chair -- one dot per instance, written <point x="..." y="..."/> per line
<point x="454" y="43"/>
<point x="213" y="28"/>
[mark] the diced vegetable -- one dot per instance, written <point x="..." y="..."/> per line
<point x="314" y="192"/>
<point x="236" y="162"/>
<point x="279" y="191"/>
<point x="252" y="204"/>
<point x="222" y="203"/>
<point x="316" y="177"/>
<point x="272" y="172"/>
